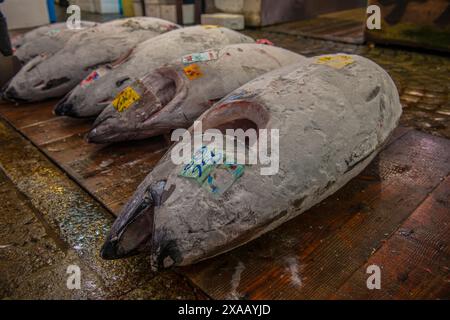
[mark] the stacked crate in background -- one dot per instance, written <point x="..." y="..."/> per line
<point x="230" y="15"/>
<point x="164" y="9"/>
<point x="98" y="6"/>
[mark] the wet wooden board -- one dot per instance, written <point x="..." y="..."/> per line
<point x="109" y="173"/>
<point x="395" y="214"/>
<point x="345" y="26"/>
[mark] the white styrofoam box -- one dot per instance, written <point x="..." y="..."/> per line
<point x="188" y="14"/>
<point x="25" y="13"/>
<point x="169" y="12"/>
<point x="107" y="6"/>
<point x="227" y="20"/>
<point x="230" y="6"/>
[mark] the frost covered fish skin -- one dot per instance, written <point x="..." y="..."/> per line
<point x="53" y="76"/>
<point x="170" y="99"/>
<point x="23" y="38"/>
<point x="47" y="42"/>
<point x="90" y="100"/>
<point x="332" y="117"/>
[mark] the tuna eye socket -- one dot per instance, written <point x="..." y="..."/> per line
<point x="122" y="81"/>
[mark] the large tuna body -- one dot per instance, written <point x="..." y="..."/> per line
<point x="46" y="42"/>
<point x="172" y="97"/>
<point x="90" y="100"/>
<point x="53" y="76"/>
<point x="333" y="115"/>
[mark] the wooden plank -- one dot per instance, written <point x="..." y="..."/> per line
<point x="415" y="261"/>
<point x="314" y="254"/>
<point x="27" y="114"/>
<point x="110" y="173"/>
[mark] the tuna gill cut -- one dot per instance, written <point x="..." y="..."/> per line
<point x="48" y="42"/>
<point x="90" y="97"/>
<point x="175" y="95"/>
<point x="333" y="115"/>
<point x="51" y="76"/>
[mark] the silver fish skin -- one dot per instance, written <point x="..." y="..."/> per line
<point x="332" y="119"/>
<point x="90" y="100"/>
<point x="171" y="100"/>
<point x="54" y="75"/>
<point x="48" y="42"/>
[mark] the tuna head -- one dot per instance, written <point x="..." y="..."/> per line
<point x="170" y="195"/>
<point x="149" y="107"/>
<point x="75" y="103"/>
<point x="32" y="84"/>
<point x="93" y="94"/>
<point x="132" y="232"/>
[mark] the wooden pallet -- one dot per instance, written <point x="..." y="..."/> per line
<point x="343" y="26"/>
<point x="396" y="215"/>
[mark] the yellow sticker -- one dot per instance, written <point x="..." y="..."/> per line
<point x="125" y="99"/>
<point x="337" y="62"/>
<point x="210" y="26"/>
<point x="193" y="71"/>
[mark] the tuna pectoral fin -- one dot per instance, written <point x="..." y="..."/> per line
<point x="122" y="58"/>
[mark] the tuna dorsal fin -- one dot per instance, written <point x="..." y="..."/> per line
<point x="122" y="58"/>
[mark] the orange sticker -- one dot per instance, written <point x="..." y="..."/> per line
<point x="193" y="71"/>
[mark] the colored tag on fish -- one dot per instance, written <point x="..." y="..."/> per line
<point x="240" y="95"/>
<point x="53" y="32"/>
<point x="201" y="164"/>
<point x="193" y="71"/>
<point x="264" y="41"/>
<point x="222" y="178"/>
<point x="93" y="76"/>
<point x="200" y="57"/>
<point x="337" y="61"/>
<point x="125" y="99"/>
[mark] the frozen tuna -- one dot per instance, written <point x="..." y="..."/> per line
<point x="95" y="93"/>
<point x="175" y="95"/>
<point x="46" y="40"/>
<point x="333" y="114"/>
<point x="53" y="76"/>
<point x="23" y="38"/>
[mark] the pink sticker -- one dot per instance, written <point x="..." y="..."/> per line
<point x="265" y="41"/>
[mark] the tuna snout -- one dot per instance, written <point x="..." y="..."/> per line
<point x="65" y="108"/>
<point x="11" y="94"/>
<point x="131" y="233"/>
